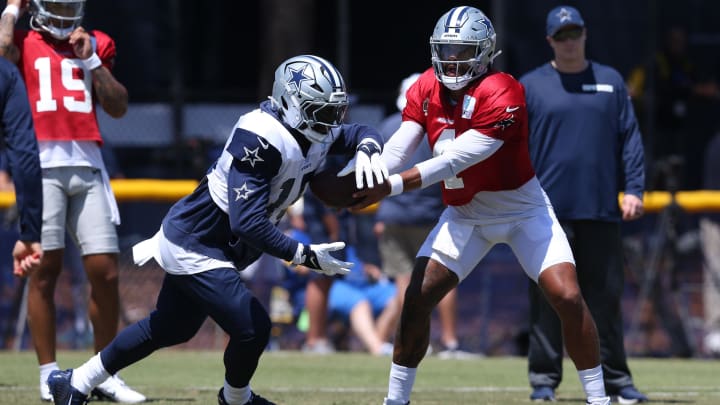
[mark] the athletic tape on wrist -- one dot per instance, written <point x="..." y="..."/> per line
<point x="93" y="62"/>
<point x="396" y="184"/>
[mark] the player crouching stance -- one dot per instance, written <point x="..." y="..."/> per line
<point x="230" y="219"/>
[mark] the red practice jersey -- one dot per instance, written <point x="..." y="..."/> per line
<point x="58" y="86"/>
<point x="494" y="105"/>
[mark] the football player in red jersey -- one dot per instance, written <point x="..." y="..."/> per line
<point x="477" y="127"/>
<point x="66" y="71"/>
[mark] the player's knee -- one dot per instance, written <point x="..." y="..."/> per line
<point x="170" y="332"/>
<point x="568" y="300"/>
<point x="416" y="303"/>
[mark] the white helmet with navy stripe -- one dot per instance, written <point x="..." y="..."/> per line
<point x="462" y="46"/>
<point x="311" y="96"/>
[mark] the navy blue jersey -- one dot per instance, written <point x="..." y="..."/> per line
<point x="21" y="150"/>
<point x="233" y="214"/>
<point x="585" y="143"/>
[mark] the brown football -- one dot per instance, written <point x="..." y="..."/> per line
<point x="332" y="190"/>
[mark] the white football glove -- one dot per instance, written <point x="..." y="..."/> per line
<point x="366" y="164"/>
<point x="318" y="258"/>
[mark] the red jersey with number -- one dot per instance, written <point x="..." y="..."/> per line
<point x="59" y="87"/>
<point x="494" y="105"/>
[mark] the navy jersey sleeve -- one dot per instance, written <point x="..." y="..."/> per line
<point x="351" y="135"/>
<point x="249" y="194"/>
<point x="633" y="155"/>
<point x="22" y="151"/>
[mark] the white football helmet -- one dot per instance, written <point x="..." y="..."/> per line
<point x="59" y="18"/>
<point x="462" y="46"/>
<point x="310" y="93"/>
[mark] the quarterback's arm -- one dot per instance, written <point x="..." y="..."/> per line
<point x="111" y="94"/>
<point x="402" y="145"/>
<point x="464" y="151"/>
<point x="7" y="30"/>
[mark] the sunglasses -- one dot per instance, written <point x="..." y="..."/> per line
<point x="564" y="35"/>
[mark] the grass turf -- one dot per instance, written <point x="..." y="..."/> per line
<point x="192" y="377"/>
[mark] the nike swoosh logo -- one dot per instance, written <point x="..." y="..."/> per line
<point x="262" y="143"/>
<point x="511" y="109"/>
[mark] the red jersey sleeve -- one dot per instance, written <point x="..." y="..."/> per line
<point x="104" y="47"/>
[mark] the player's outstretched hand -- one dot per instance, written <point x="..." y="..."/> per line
<point x="366" y="164"/>
<point x="318" y="258"/>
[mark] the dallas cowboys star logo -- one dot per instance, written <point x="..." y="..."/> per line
<point x="242" y="192"/>
<point x="252" y="156"/>
<point x="297" y="76"/>
<point x="564" y="15"/>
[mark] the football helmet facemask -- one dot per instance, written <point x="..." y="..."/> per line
<point x="462" y="46"/>
<point x="311" y="96"/>
<point x="59" y="18"/>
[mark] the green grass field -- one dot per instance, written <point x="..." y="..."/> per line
<point x="291" y="378"/>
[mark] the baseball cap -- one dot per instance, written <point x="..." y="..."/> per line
<point x="561" y="17"/>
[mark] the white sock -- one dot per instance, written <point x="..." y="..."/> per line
<point x="89" y="375"/>
<point x="46" y="369"/>
<point x="592" y="382"/>
<point x="401" y="383"/>
<point x="236" y="396"/>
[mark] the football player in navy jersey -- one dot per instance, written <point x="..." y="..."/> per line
<point x="230" y="219"/>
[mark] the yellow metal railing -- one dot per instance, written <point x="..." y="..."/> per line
<point x="172" y="190"/>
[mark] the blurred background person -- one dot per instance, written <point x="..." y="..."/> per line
<point x="586" y="147"/>
<point x="321" y="224"/>
<point x="676" y="94"/>
<point x="710" y="243"/>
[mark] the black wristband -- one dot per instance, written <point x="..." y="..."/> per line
<point x="311" y="259"/>
<point x="369" y="148"/>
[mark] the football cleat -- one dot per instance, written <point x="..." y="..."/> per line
<point x="255" y="399"/>
<point x="456" y="353"/>
<point x="62" y="391"/>
<point x="629" y="395"/>
<point x="542" y="393"/>
<point x="388" y="401"/>
<point x="114" y="389"/>
<point x="598" y="401"/>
